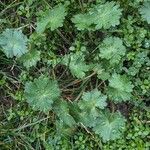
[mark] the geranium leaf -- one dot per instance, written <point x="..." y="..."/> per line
<point x="112" y="49"/>
<point x="89" y="104"/>
<point x="31" y="58"/>
<point x="76" y="63"/>
<point x="145" y="11"/>
<point x="92" y="100"/>
<point x="120" y="88"/>
<point x="41" y="93"/>
<point x="62" y="111"/>
<point x="106" y="15"/>
<point x="52" y="19"/>
<point x="13" y="43"/>
<point x="109" y="125"/>
<point x="100" y="16"/>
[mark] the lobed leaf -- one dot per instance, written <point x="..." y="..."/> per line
<point x="31" y="58"/>
<point x="41" y="93"/>
<point x="100" y="16"/>
<point x="52" y="19"/>
<point x="77" y="65"/>
<point x="92" y="100"/>
<point x="106" y="15"/>
<point x="89" y="104"/>
<point x="109" y="125"/>
<point x="13" y="43"/>
<point x="62" y="111"/>
<point x="120" y="88"/>
<point x="145" y="11"/>
<point x="112" y="49"/>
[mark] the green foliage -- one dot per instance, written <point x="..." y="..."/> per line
<point x="109" y="125"/>
<point x="91" y="101"/>
<point x="31" y="58"/>
<point x="63" y="129"/>
<point x="70" y="89"/>
<point x="82" y="21"/>
<point x="89" y="105"/>
<point x="13" y="42"/>
<point x="112" y="49"/>
<point x="76" y="63"/>
<point x="41" y="93"/>
<point x="145" y="11"/>
<point x="57" y="142"/>
<point x="52" y="19"/>
<point x="87" y="119"/>
<point x="62" y="111"/>
<point x="120" y="88"/>
<point x="140" y="59"/>
<point x="136" y="133"/>
<point x="100" y="16"/>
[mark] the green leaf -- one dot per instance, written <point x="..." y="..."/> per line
<point x="92" y="100"/>
<point x="83" y="21"/>
<point x="109" y="125"/>
<point x="112" y="49"/>
<point x="62" y="111"/>
<point x="31" y="58"/>
<point x="13" y="43"/>
<point x="106" y="15"/>
<point x="76" y="64"/>
<point x="89" y="105"/>
<point x="104" y="76"/>
<point x="41" y="93"/>
<point x="87" y="119"/>
<point x="100" y="16"/>
<point x="51" y="19"/>
<point x="120" y="88"/>
<point x="145" y="11"/>
<point x="101" y="72"/>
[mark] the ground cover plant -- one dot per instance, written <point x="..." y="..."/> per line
<point x="74" y="74"/>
